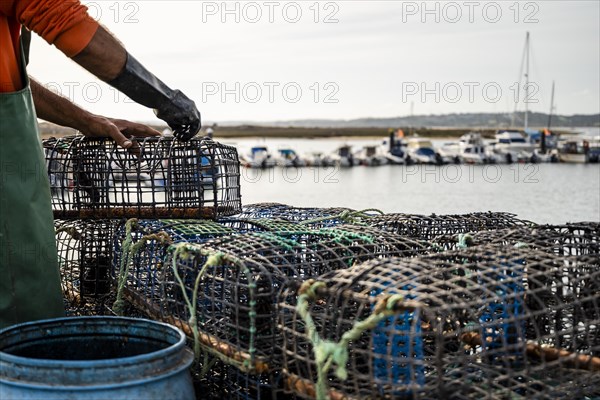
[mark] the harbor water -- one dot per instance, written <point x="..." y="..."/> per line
<point x="543" y="193"/>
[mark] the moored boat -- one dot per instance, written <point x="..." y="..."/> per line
<point x="421" y="151"/>
<point x="287" y="157"/>
<point x="470" y="149"/>
<point x="371" y="156"/>
<point x="343" y="156"/>
<point x="512" y="146"/>
<point x="319" y="159"/>
<point x="397" y="153"/>
<point x="579" y="149"/>
<point x="258" y="157"/>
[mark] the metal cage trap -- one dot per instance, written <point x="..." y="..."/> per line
<point x="309" y="216"/>
<point x="579" y="239"/>
<point x="159" y="178"/>
<point x="227" y="287"/>
<point x="85" y="250"/>
<point x="491" y="321"/>
<point x="428" y="227"/>
<point x="141" y="245"/>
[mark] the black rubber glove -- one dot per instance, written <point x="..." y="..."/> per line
<point x="172" y="106"/>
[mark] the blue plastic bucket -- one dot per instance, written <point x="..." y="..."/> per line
<point x="94" y="358"/>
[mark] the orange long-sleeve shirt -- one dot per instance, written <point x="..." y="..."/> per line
<point x="64" y="23"/>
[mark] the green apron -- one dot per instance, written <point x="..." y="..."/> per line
<point x="29" y="276"/>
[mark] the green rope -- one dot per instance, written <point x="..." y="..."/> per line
<point x="343" y="235"/>
<point x="182" y="251"/>
<point x="465" y="240"/>
<point x="129" y="250"/>
<point x="279" y="226"/>
<point x="351" y="217"/>
<point x="286" y="243"/>
<point x="328" y="353"/>
<point x="187" y="250"/>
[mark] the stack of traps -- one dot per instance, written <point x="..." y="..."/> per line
<point x="95" y="185"/>
<point x="510" y="310"/>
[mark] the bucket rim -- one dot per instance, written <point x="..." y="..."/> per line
<point x="170" y="349"/>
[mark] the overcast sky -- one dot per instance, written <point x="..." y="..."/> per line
<point x="275" y="60"/>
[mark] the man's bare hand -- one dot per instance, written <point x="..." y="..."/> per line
<point x="129" y="128"/>
<point x="121" y="131"/>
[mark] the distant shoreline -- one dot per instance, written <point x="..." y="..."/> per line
<point x="249" y="131"/>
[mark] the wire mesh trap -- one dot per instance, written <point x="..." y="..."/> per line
<point x="84" y="253"/>
<point x="580" y="240"/>
<point x="141" y="246"/>
<point x="491" y="322"/>
<point x="229" y="285"/>
<point x="429" y="227"/>
<point x="310" y="216"/>
<point x="161" y="178"/>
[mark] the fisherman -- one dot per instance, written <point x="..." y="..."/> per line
<point x="29" y="275"/>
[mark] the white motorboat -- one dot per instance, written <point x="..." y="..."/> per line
<point x="579" y="149"/>
<point x="319" y="159"/>
<point x="470" y="149"/>
<point x="343" y="156"/>
<point x="287" y="157"/>
<point x="371" y="156"/>
<point x="258" y="157"/>
<point x="421" y="151"/>
<point x="512" y="146"/>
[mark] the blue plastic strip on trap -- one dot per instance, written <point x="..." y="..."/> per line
<point x="502" y="325"/>
<point x="389" y="347"/>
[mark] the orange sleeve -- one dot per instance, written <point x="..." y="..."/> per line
<point x="64" y="23"/>
<point x="10" y="73"/>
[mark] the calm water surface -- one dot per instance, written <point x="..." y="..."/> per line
<point x="543" y="193"/>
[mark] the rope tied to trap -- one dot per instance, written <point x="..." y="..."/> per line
<point x="347" y="216"/>
<point x="465" y="241"/>
<point x="329" y="353"/>
<point x="181" y="250"/>
<point x="129" y="250"/>
<point x="186" y="251"/>
<point x="286" y="243"/>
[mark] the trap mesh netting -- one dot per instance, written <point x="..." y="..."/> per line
<point x="229" y="285"/>
<point x="90" y="251"/>
<point x="428" y="227"/>
<point x="141" y="246"/>
<point x="161" y="177"/>
<point x="286" y="212"/>
<point x="85" y="250"/>
<point x="492" y="321"/>
<point x="308" y="216"/>
<point x="580" y="239"/>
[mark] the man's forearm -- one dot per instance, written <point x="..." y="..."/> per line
<point x="57" y="109"/>
<point x="104" y="56"/>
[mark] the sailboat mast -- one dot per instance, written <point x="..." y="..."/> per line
<point x="526" y="80"/>
<point x="551" y="106"/>
<point x="543" y="137"/>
